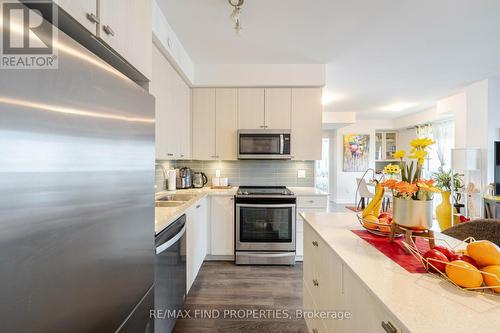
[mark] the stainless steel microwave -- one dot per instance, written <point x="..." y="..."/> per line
<point x="261" y="144"/>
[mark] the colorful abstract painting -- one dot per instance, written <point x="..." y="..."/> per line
<point x="356" y="149"/>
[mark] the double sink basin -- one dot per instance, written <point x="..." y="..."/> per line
<point x="173" y="200"/>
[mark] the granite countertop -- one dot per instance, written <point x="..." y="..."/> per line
<point x="422" y="302"/>
<point x="312" y="191"/>
<point x="164" y="216"/>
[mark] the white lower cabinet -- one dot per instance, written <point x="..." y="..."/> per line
<point x="368" y="314"/>
<point x="329" y="285"/>
<point x="222" y="226"/>
<point x="196" y="239"/>
<point x="306" y="203"/>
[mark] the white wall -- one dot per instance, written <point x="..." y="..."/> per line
<point x="344" y="184"/>
<point x="476" y="112"/>
<point x="405" y="135"/>
<point x="334" y="120"/>
<point x="167" y="42"/>
<point x="259" y="75"/>
<point x="476" y="124"/>
<point x="493" y="124"/>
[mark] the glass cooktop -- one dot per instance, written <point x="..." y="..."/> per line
<point x="264" y="190"/>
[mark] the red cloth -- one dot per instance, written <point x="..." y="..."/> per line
<point x="395" y="251"/>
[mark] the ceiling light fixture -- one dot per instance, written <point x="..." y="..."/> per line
<point x="235" y="15"/>
<point x="396" y="107"/>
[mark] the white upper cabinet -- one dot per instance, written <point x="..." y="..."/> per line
<point x="278" y="108"/>
<point x="204" y="123"/>
<point x="126" y="27"/>
<point x="83" y="11"/>
<point x="251" y="108"/>
<point x="307" y="130"/>
<point x="226" y="126"/>
<point x="218" y="113"/>
<point x="215" y="123"/>
<point x="268" y="108"/>
<point x="172" y="108"/>
<point x="182" y="108"/>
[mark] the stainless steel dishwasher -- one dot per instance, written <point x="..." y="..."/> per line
<point x="170" y="273"/>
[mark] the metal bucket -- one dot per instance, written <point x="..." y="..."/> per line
<point x="413" y="214"/>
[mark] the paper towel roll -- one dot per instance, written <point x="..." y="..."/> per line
<point x="172" y="174"/>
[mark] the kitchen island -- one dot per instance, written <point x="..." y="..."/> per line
<point x="343" y="273"/>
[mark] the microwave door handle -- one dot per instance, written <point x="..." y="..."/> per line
<point x="282" y="144"/>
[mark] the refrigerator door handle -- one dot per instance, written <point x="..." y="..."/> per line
<point x="171" y="241"/>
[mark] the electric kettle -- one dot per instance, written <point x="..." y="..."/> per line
<point x="199" y="179"/>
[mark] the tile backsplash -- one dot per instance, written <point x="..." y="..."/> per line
<point x="251" y="172"/>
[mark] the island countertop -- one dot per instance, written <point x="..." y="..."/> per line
<point x="421" y="302"/>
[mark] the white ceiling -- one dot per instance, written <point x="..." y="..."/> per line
<point x="377" y="52"/>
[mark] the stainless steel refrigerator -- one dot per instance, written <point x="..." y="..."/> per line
<point x="76" y="197"/>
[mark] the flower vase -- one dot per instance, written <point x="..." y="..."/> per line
<point x="413" y="214"/>
<point x="443" y="211"/>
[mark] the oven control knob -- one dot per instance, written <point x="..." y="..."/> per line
<point x="245" y="193"/>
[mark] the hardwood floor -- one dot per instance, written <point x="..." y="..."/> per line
<point x="230" y="291"/>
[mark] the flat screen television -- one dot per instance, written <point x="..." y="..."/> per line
<point x="497" y="168"/>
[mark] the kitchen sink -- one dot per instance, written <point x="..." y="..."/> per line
<point x="176" y="197"/>
<point x="169" y="203"/>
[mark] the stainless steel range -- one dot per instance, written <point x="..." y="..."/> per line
<point x="265" y="225"/>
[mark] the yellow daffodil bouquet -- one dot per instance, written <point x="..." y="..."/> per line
<point x="411" y="186"/>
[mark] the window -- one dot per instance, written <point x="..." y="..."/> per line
<point x="439" y="153"/>
<point x="322" y="168"/>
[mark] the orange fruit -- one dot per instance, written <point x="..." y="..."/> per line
<point x="484" y="252"/>
<point x="464" y="274"/>
<point x="385" y="228"/>
<point x="491" y="280"/>
<point x="369" y="222"/>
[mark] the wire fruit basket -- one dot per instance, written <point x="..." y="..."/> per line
<point x="376" y="228"/>
<point x="428" y="264"/>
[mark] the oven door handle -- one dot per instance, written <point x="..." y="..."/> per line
<point x="266" y="205"/>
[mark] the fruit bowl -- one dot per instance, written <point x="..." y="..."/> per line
<point x="376" y="228"/>
<point x="461" y="271"/>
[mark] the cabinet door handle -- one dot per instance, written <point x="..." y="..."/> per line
<point x="389" y="327"/>
<point x="198" y="206"/>
<point x="315" y="330"/>
<point x="182" y="155"/>
<point x="93" y="18"/>
<point x="107" y="29"/>
<point x="215" y="156"/>
<point x="311" y="201"/>
<point x="315" y="283"/>
<point x="315" y="243"/>
<point x="170" y="154"/>
<point x="232" y="199"/>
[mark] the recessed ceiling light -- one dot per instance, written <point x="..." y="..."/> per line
<point x="329" y="98"/>
<point x="396" y="107"/>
